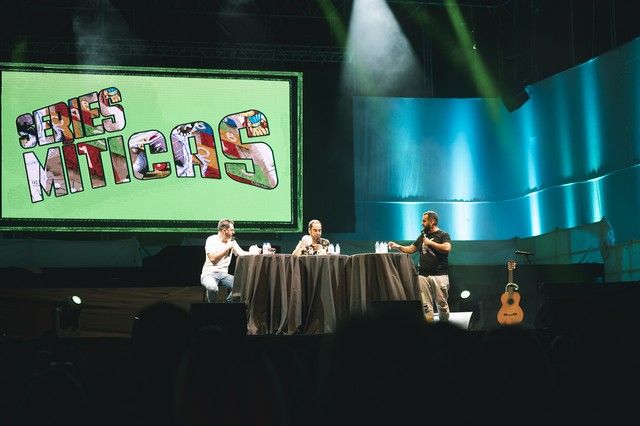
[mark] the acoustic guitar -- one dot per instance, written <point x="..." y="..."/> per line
<point x="510" y="313"/>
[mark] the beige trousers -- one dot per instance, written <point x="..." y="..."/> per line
<point x="434" y="290"/>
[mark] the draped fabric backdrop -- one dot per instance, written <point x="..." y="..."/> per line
<point x="568" y="157"/>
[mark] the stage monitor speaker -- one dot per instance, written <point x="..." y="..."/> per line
<point x="406" y="309"/>
<point x="230" y="317"/>
<point x="459" y="319"/>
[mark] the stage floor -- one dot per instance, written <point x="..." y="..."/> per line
<point x="106" y="312"/>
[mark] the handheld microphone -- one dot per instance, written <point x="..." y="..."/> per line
<point x="525" y="253"/>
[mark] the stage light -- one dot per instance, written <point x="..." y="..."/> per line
<point x="66" y="313"/>
<point x="381" y="66"/>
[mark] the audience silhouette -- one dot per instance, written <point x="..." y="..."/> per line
<point x="161" y="333"/>
<point x="388" y="368"/>
<point x="224" y="380"/>
<point x="378" y="368"/>
<point x="517" y="378"/>
<point x="54" y="396"/>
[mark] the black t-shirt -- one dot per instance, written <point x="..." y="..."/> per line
<point x="433" y="262"/>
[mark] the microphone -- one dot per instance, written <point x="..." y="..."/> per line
<point x="526" y="253"/>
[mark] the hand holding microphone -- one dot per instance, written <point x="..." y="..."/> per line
<point x="425" y="246"/>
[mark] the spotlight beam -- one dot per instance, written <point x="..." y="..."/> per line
<point x="479" y="71"/>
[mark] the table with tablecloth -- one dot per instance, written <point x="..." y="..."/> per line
<point x="287" y="294"/>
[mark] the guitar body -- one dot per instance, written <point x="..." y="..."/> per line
<point x="510" y="312"/>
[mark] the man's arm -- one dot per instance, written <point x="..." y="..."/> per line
<point x="238" y="250"/>
<point x="302" y="244"/>
<point x="404" y="249"/>
<point x="298" y="250"/>
<point x="220" y="251"/>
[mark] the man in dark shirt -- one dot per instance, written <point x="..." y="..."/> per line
<point x="434" y="245"/>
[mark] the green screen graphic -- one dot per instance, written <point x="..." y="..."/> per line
<point x="99" y="148"/>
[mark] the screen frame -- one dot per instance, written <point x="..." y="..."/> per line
<point x="295" y="81"/>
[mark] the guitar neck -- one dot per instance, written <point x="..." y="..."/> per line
<point x="511" y="265"/>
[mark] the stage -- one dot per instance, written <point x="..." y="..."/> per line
<point x="105" y="312"/>
<point x="112" y="297"/>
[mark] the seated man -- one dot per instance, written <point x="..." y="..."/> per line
<point x="312" y="243"/>
<point x="218" y="250"/>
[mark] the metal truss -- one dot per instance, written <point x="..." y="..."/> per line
<point x="97" y="48"/>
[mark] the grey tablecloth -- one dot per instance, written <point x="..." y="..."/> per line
<point x="288" y="294"/>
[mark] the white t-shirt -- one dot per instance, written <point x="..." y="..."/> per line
<point x="215" y="245"/>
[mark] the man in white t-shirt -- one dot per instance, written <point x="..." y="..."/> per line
<point x="218" y="250"/>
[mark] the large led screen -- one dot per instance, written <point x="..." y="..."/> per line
<point x="149" y="149"/>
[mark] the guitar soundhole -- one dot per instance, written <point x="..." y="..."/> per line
<point x="510" y="302"/>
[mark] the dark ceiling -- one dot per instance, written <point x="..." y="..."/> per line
<point x="520" y="41"/>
